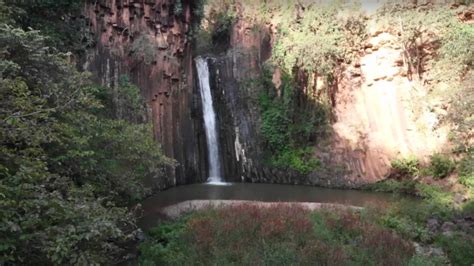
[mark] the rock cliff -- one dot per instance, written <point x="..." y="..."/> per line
<point x="148" y="42"/>
<point x="374" y="118"/>
<point x="375" y="114"/>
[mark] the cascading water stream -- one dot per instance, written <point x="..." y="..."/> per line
<point x="215" y="174"/>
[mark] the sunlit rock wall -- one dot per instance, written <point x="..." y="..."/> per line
<point x="383" y="113"/>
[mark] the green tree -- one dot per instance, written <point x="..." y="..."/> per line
<point x="69" y="163"/>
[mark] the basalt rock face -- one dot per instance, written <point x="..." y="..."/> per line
<point x="237" y="112"/>
<point x="146" y="41"/>
<point x="237" y="118"/>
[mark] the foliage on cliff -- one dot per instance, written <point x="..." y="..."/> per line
<point x="438" y="51"/>
<point x="311" y="38"/>
<point x="286" y="128"/>
<point x="71" y="160"/>
<point x="314" y="37"/>
<point x="213" y="34"/>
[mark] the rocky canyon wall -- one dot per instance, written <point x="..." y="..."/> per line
<point x="148" y="42"/>
<point x="238" y="112"/>
<point x="376" y="112"/>
<point x="381" y="113"/>
<point x="374" y="116"/>
<point x="238" y="118"/>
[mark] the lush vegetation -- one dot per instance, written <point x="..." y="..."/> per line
<point x="286" y="128"/>
<point x="466" y="170"/>
<point x="60" y="20"/>
<point x="73" y="154"/>
<point x="314" y="37"/>
<point x="440" y="166"/>
<point x="424" y="222"/>
<point x="213" y="34"/>
<point x="439" y="219"/>
<point x="279" y="235"/>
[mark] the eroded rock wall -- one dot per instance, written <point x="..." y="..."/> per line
<point x="383" y="113"/>
<point x="146" y="41"/>
<point x="236" y="105"/>
<point x="379" y="113"/>
<point x="238" y="119"/>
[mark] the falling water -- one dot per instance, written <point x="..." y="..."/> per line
<point x="209" y="121"/>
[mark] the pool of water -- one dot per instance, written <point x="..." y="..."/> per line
<point x="258" y="192"/>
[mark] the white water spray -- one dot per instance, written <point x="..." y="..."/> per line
<point x="215" y="174"/>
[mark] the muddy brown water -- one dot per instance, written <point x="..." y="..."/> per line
<point x="259" y="192"/>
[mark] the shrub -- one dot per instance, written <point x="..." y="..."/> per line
<point x="466" y="170"/>
<point x="441" y="166"/>
<point x="165" y="247"/>
<point x="301" y="160"/>
<point x="407" y="166"/>
<point x="215" y="34"/>
<point x="406" y="227"/>
<point x="144" y="49"/>
<point x="459" y="248"/>
<point x="467" y="180"/>
<point x="178" y="8"/>
<point x="391" y="185"/>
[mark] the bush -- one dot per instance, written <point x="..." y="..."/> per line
<point x="466" y="170"/>
<point x="467" y="181"/>
<point x="215" y="34"/>
<point x="165" y="249"/>
<point x="459" y="248"/>
<point x="301" y="160"/>
<point x="287" y="130"/>
<point x="441" y="166"/>
<point x="406" y="227"/>
<point x="391" y="185"/>
<point x="407" y="166"/>
<point x="143" y="49"/>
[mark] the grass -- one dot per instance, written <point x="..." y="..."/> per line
<point x="279" y="235"/>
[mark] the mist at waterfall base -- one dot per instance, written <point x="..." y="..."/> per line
<point x="215" y="170"/>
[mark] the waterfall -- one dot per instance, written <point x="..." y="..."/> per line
<point x="215" y="173"/>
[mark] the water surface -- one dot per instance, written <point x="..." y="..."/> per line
<point x="259" y="192"/>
